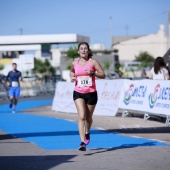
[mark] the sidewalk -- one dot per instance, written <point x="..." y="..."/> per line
<point x="19" y="154"/>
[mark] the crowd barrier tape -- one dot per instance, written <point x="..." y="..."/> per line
<point x="147" y="96"/>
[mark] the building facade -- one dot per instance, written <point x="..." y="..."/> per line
<point x="131" y="46"/>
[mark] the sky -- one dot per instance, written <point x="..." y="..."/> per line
<point x="97" y="19"/>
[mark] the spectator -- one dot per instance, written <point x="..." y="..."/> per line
<point x="143" y="73"/>
<point x="159" y="71"/>
<point x="168" y="64"/>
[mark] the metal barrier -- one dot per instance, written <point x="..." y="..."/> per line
<point x="37" y="87"/>
<point x="3" y="92"/>
<point x="30" y="88"/>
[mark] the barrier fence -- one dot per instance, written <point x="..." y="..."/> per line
<point x="37" y="87"/>
<point x="150" y="97"/>
<point x="3" y="92"/>
<point x="30" y="88"/>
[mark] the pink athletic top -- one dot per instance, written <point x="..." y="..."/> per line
<point x="84" y="82"/>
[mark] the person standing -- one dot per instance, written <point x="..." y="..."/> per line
<point x="13" y="78"/>
<point x="159" y="71"/>
<point x="143" y="73"/>
<point x="168" y="64"/>
<point x="83" y="72"/>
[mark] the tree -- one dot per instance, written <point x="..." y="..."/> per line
<point x="43" y="68"/>
<point x="68" y="66"/>
<point x="133" y="72"/>
<point x="72" y="53"/>
<point x="106" y="65"/>
<point x="1" y="67"/>
<point x="145" y="58"/>
<point x="49" y="69"/>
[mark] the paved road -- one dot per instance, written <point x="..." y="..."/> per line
<point x="19" y="154"/>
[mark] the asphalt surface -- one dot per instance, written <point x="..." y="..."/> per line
<point x="19" y="154"/>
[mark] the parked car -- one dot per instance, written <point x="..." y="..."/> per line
<point x="113" y="75"/>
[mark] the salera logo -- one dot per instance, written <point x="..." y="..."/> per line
<point x="153" y="96"/>
<point x="127" y="95"/>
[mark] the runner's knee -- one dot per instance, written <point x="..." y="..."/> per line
<point x="89" y="119"/>
<point x="82" y="117"/>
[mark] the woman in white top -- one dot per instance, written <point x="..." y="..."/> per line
<point x="159" y="71"/>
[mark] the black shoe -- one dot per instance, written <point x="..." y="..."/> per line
<point x="82" y="146"/>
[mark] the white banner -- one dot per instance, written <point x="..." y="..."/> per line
<point x="109" y="94"/>
<point x="27" y="61"/>
<point x="139" y="95"/>
<point x="158" y="97"/>
<point x="63" y="99"/>
<point x="134" y="96"/>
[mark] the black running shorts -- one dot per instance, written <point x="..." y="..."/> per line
<point x="89" y="98"/>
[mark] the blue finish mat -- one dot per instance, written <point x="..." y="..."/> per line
<point x="23" y="105"/>
<point x="53" y="134"/>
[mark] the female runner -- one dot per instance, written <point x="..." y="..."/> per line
<point x="83" y="73"/>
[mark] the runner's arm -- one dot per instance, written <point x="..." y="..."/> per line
<point x="20" y="78"/>
<point x="7" y="80"/>
<point x="99" y="71"/>
<point x="72" y="72"/>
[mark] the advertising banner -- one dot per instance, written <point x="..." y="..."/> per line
<point x="158" y="97"/>
<point x="151" y="96"/>
<point x="27" y="61"/>
<point x="109" y="94"/>
<point x="134" y="96"/>
<point x="63" y="99"/>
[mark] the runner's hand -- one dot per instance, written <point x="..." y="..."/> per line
<point x="91" y="73"/>
<point x="73" y="79"/>
<point x="7" y="83"/>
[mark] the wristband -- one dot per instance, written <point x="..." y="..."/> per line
<point x="92" y="73"/>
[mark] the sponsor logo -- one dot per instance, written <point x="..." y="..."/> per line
<point x="154" y="96"/>
<point x="127" y="96"/>
<point x="135" y="94"/>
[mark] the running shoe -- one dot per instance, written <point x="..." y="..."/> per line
<point x="10" y="105"/>
<point x="87" y="138"/>
<point x="13" y="111"/>
<point x="82" y="146"/>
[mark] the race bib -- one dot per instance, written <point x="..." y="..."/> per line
<point x="15" y="84"/>
<point x="84" y="81"/>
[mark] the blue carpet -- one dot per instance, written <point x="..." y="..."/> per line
<point x="23" y="105"/>
<point x="53" y="134"/>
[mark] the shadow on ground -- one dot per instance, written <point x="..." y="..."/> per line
<point x="140" y="130"/>
<point x="39" y="134"/>
<point x="125" y="146"/>
<point x="65" y="133"/>
<point x="33" y="162"/>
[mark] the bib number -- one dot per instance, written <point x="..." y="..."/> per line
<point x="15" y="84"/>
<point x="84" y="81"/>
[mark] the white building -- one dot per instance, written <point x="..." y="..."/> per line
<point x="35" y="43"/>
<point x="38" y="45"/>
<point x="131" y="46"/>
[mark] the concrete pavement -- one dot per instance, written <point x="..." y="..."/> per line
<point x="19" y="154"/>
